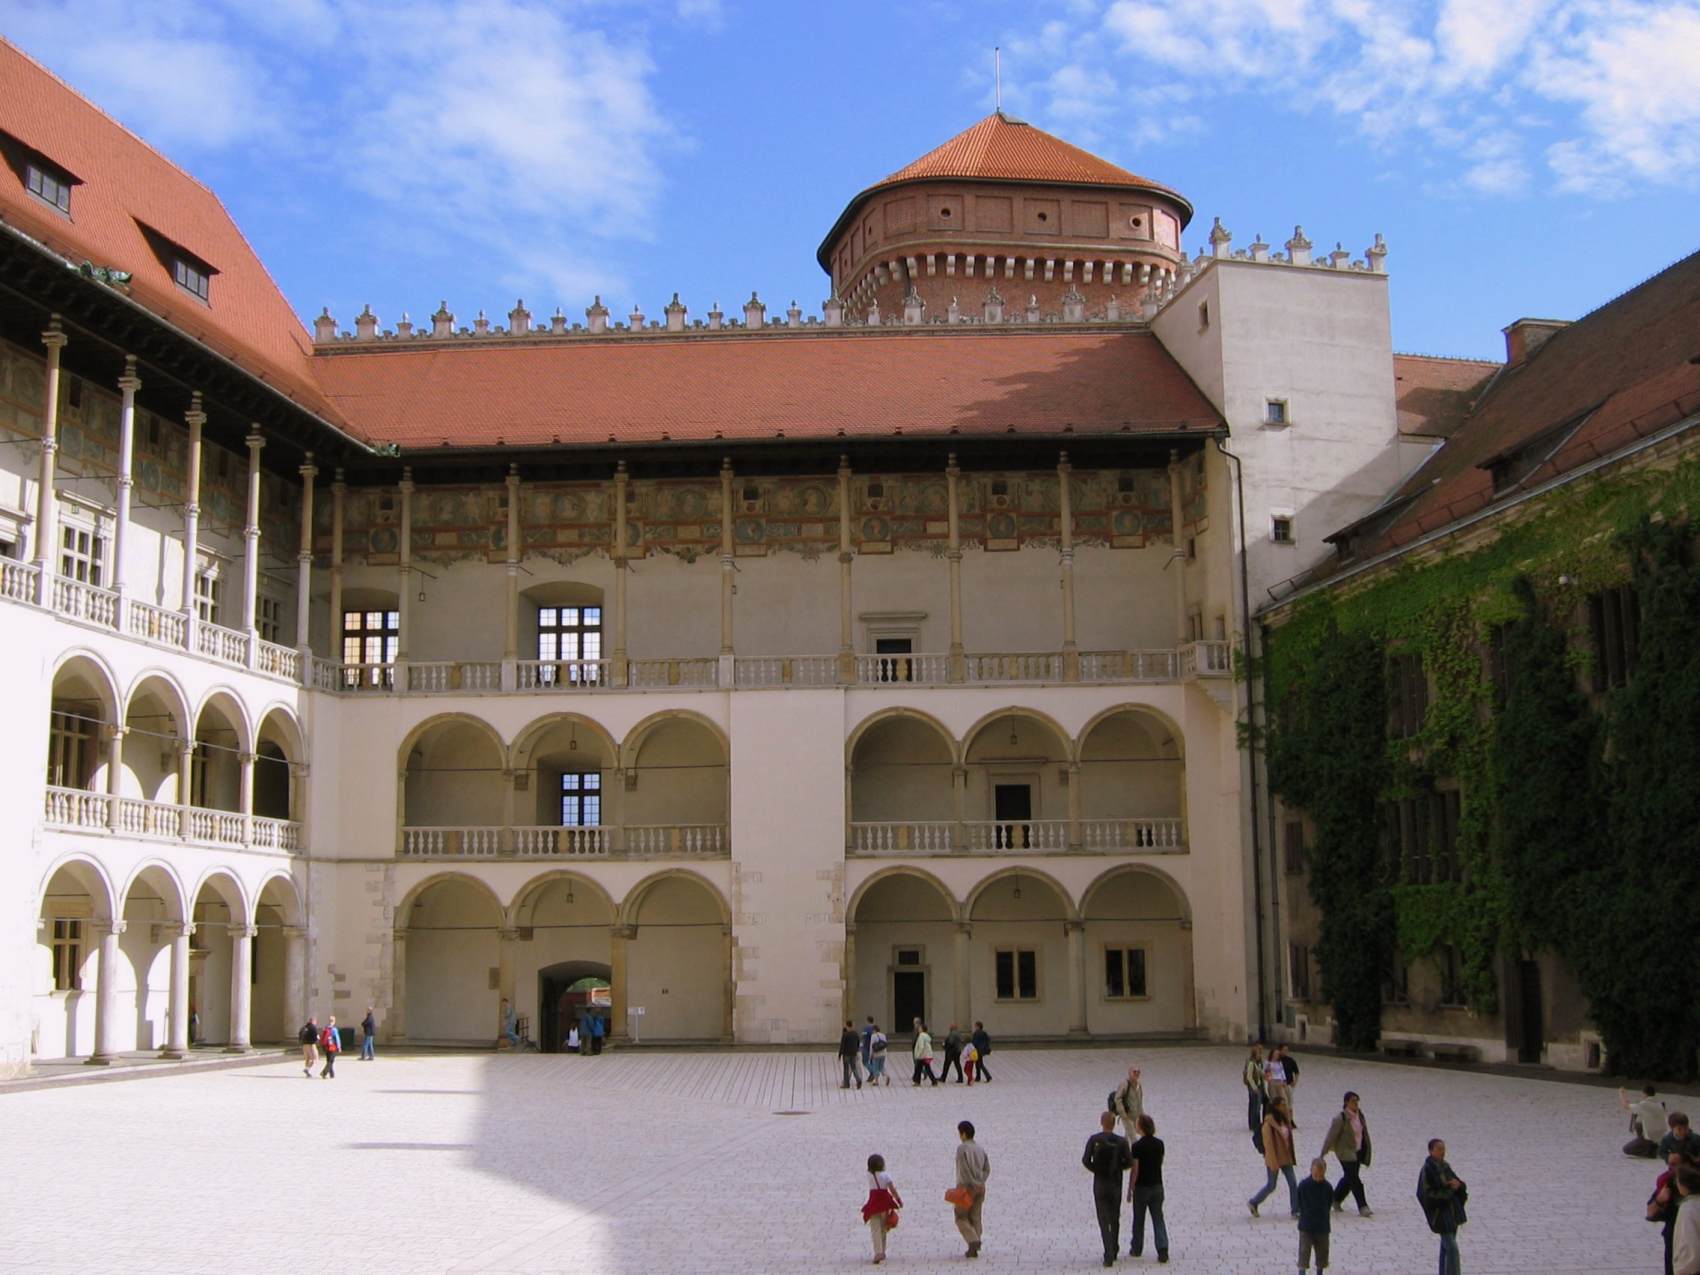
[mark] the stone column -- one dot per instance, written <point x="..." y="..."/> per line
<point x="728" y="1031"/>
<point x="959" y="806"/>
<point x="1190" y="1021"/>
<point x="963" y="983"/>
<point x="46" y="504"/>
<point x="618" y="937"/>
<point x="404" y="578"/>
<point x="128" y="384"/>
<point x="1065" y="531"/>
<point x="507" y="939"/>
<point x="395" y="1021"/>
<point x="251" y="547"/>
<point x="958" y="660"/>
<point x="294" y="974"/>
<point x="846" y="636"/>
<point x="304" y="573"/>
<point x="1074" y="839"/>
<point x="510" y="631"/>
<point x="177" y="1005"/>
<point x="620" y="674"/>
<point x="1076" y="931"/>
<point x="727" y="566"/>
<point x="106" y="991"/>
<point x="185" y="787"/>
<point x="241" y="986"/>
<point x="339" y="497"/>
<point x="245" y="798"/>
<point x="847" y="967"/>
<point x="195" y="418"/>
<point x="1177" y="556"/>
<point x="114" y="771"/>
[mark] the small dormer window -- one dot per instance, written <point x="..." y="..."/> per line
<point x="192" y="276"/>
<point x="50" y="185"/>
<point x="190" y="272"/>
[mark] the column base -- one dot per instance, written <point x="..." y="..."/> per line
<point x="98" y="1060"/>
<point x="175" y="1055"/>
<point x="238" y="1049"/>
<point x="1079" y="1033"/>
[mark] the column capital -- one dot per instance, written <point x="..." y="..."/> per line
<point x="255" y="439"/>
<point x="508" y="934"/>
<point x="129" y="382"/>
<point x="339" y="481"/>
<point x="309" y="470"/>
<point x="295" y="931"/>
<point x="406" y="483"/>
<point x="965" y="929"/>
<point x="239" y="932"/>
<point x="113" y="730"/>
<point x="54" y="337"/>
<point x="950" y="466"/>
<point x="104" y="925"/>
<point x="196" y="416"/>
<point x="623" y="931"/>
<point x="399" y="934"/>
<point x="1073" y="925"/>
<point x="1063" y="467"/>
<point x="247" y="759"/>
<point x="512" y="480"/>
<point x="175" y="930"/>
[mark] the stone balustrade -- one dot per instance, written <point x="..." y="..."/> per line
<point x="85" y="811"/>
<point x="1016" y="836"/>
<point x="567" y="841"/>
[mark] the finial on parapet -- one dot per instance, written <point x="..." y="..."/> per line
<point x="675" y="312"/>
<point x="1376" y="255"/>
<point x="1033" y="315"/>
<point x="755" y="312"/>
<point x="914" y="309"/>
<point x="873" y="320"/>
<point x="715" y="318"/>
<point x="954" y="313"/>
<point x="1073" y="306"/>
<point x="635" y="319"/>
<point x="1339" y="258"/>
<point x="1112" y="310"/>
<point x="443" y="322"/>
<point x="832" y="309"/>
<point x="481" y="325"/>
<point x="1220" y="238"/>
<point x="1298" y="247"/>
<point x="794" y="314"/>
<point x="324" y="327"/>
<point x="404" y="329"/>
<point x="1259" y="249"/>
<point x="596" y="315"/>
<point x="557" y="321"/>
<point x="365" y="324"/>
<point x="519" y="318"/>
<point x="991" y="309"/>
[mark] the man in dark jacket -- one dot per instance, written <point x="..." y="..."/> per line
<point x="1442" y="1196"/>
<point x="849" y="1060"/>
<point x="1107" y="1155"/>
<point x="952" y="1054"/>
<point x="368" y="1036"/>
<point x="982" y="1046"/>
<point x="1680" y="1138"/>
<point x="1316" y="1202"/>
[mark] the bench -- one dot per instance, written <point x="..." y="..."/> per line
<point x="1442" y="1052"/>
<point x="1402" y="1048"/>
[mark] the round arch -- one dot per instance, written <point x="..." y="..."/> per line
<point x="1019" y="870"/>
<point x="286" y="899"/>
<point x="162" y="877"/>
<point x="952" y="905"/>
<point x="952" y="744"/>
<point x="632" y="903"/>
<point x="1136" y="869"/>
<point x="1065" y="741"/>
<point x="417" y="891"/>
<point x="281" y="718"/>
<point x="96" y="671"/>
<point x="520" y="753"/>
<point x="638" y="735"/>
<point x="228" y="889"/>
<point x="410" y="741"/>
<point x="525" y="898"/>
<point x="171" y="693"/>
<point x="1145" y="710"/>
<point x="229" y="705"/>
<point x="87" y="872"/>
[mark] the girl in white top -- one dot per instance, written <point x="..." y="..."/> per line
<point x="880" y="1211"/>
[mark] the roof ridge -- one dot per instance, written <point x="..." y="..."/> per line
<point x="1447" y="358"/>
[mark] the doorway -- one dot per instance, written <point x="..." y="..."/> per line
<point x="908" y="1000"/>
<point x="566" y="997"/>
<point x="1012" y="807"/>
<point x="1533" y="1028"/>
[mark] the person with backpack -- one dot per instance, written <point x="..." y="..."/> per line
<point x="982" y="1047"/>
<point x="1348" y="1139"/>
<point x="877" y="1045"/>
<point x="848" y="1049"/>
<point x="1108" y="1156"/>
<point x="1127" y="1103"/>
<point x="309" y="1038"/>
<point x="330" y="1041"/>
<point x="1275" y="1140"/>
<point x="368" y="1036"/>
<point x="881" y="1208"/>
<point x="1442" y="1197"/>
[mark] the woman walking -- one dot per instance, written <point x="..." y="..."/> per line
<point x="1348" y="1139"/>
<point x="1252" y="1078"/>
<point x="877" y="1045"/>
<point x="923" y="1055"/>
<point x="1277" y="1130"/>
<point x="880" y="1210"/>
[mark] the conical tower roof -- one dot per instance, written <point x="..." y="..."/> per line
<point x="999" y="148"/>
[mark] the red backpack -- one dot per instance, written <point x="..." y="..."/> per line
<point x="327" y="1041"/>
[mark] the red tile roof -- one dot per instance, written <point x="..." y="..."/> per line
<point x="1434" y="395"/>
<point x="126" y="185"/>
<point x="749" y="386"/>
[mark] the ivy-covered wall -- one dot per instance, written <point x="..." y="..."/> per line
<point x="1578" y="827"/>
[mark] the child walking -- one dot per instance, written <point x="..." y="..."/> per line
<point x="970" y="1058"/>
<point x="880" y="1211"/>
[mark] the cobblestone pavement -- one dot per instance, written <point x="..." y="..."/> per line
<point x="752" y="1162"/>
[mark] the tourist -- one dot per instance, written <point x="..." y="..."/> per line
<point x="1679" y="1137"/>
<point x="1648" y="1121"/>
<point x="1275" y="1078"/>
<point x="598" y="1029"/>
<point x="923" y="1055"/>
<point x="867" y="1035"/>
<point x="510" y="1025"/>
<point x="368" y="1036"/>
<point x="1289" y="1072"/>
<point x="572" y="1039"/>
<point x="880" y="1209"/>
<point x="952" y="1054"/>
<point x="330" y="1040"/>
<point x="1145" y="1190"/>
<point x="877" y="1045"/>
<point x="1277" y="1137"/>
<point x="1685" y="1247"/>
<point x="1348" y="1139"/>
<point x="849" y="1049"/>
<point x="1316" y="1201"/>
<point x="973" y="1167"/>
<point x="1442" y="1197"/>
<point x="970" y="1056"/>
<point x="1127" y="1102"/>
<point x="982" y="1047"/>
<point x="1107" y="1156"/>
<point x="1251" y="1076"/>
<point x="1662" y="1203"/>
<point x="309" y="1038"/>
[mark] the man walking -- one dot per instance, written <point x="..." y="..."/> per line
<point x="1108" y="1156"/>
<point x="1127" y="1102"/>
<point x="982" y="1047"/>
<point x="598" y="1030"/>
<point x="849" y="1063"/>
<point x="1442" y="1196"/>
<point x="952" y="1054"/>
<point x="923" y="1054"/>
<point x="330" y="1040"/>
<point x="309" y="1038"/>
<point x="1348" y="1139"/>
<point x="1145" y="1190"/>
<point x="868" y="1046"/>
<point x="973" y="1167"/>
<point x="368" y="1036"/>
<point x="1316" y="1201"/>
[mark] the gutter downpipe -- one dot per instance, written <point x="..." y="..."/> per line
<point x="1251" y="743"/>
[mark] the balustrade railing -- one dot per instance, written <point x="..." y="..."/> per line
<point x="81" y="601"/>
<point x="1206" y="659"/>
<point x="569" y="841"/>
<point x="1128" y="666"/>
<point x="689" y="673"/>
<point x="1157" y="835"/>
<point x="278" y="661"/>
<point x="455" y="675"/>
<point x="1016" y="666"/>
<point x="155" y="624"/>
<point x="701" y="840"/>
<point x="219" y="643"/>
<point x="275" y="834"/>
<point x="926" y="670"/>
<point x="451" y="842"/>
<point x="140" y="818"/>
<point x="18" y="580"/>
<point x="561" y="675"/>
<point x="1016" y="835"/>
<point x="77" y="807"/>
<point x="785" y="670"/>
<point x="912" y="837"/>
<point x="164" y="820"/>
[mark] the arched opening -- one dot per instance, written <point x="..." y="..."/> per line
<point x="1016" y="799"/>
<point x="280" y="966"/>
<point x="84" y="708"/>
<point x="153" y="917"/>
<point x="453" y="801"/>
<point x="1132" y="784"/>
<point x="564" y="798"/>
<point x="451" y="930"/>
<point x="1019" y="955"/>
<point x="560" y="919"/>
<point x="678" y="961"/>
<point x="75" y="907"/>
<point x="675" y="790"/>
<point x="156" y="730"/>
<point x="904" y="958"/>
<point x="274" y="782"/>
<point x="215" y="774"/>
<point x="1138" y="955"/>
<point x="902" y="795"/>
<point x="570" y="993"/>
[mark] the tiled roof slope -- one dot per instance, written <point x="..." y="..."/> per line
<point x="1001" y="149"/>
<point x="126" y="184"/>
<point x="1626" y="370"/>
<point x="1434" y="395"/>
<point x="858" y="385"/>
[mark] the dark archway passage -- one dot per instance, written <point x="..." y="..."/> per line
<point x="558" y="1006"/>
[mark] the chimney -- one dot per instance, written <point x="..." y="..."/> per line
<point x="1526" y="336"/>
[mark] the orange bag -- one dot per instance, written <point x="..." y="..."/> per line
<point x="960" y="1198"/>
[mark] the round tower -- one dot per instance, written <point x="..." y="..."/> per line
<point x="1004" y="219"/>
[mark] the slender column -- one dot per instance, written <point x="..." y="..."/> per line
<point x="339" y="496"/>
<point x="114" y="772"/>
<point x="506" y="945"/>
<point x="958" y="661"/>
<point x="1074" y="805"/>
<point x="1076" y="931"/>
<point x="195" y="418"/>
<point x="106" y="991"/>
<point x="46" y="508"/>
<point x="508" y="812"/>
<point x="622" y="569"/>
<point x="404" y="573"/>
<point x="304" y="572"/>
<point x="728" y="1029"/>
<point x="846" y="638"/>
<point x="245" y="802"/>
<point x="177" y="1005"/>
<point x="128" y="384"/>
<point x="1177" y="557"/>
<point x="1191" y="1019"/>
<point x="294" y="974"/>
<point x="241" y="986"/>
<point x="510" y="632"/>
<point x="847" y="998"/>
<point x="726" y="561"/>
<point x="959" y="805"/>
<point x="1065" y="525"/>
<point x="962" y="993"/>
<point x="251" y="545"/>
<point x="395" y="1021"/>
<point x="618" y="937"/>
<point x="298" y="771"/>
<point x="185" y="787"/>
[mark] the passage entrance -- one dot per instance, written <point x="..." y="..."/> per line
<point x="566" y="996"/>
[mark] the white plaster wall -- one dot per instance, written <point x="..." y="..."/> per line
<point x="676" y="964"/>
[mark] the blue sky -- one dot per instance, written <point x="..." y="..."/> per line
<point x="1528" y="157"/>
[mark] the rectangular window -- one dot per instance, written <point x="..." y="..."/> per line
<point x="1274" y="411"/>
<point x="67" y="954"/>
<point x="49" y="186"/>
<point x="1298" y="960"/>
<point x="1281" y="529"/>
<point x="1614" y="619"/>
<point x="1203" y="315"/>
<point x="68" y="749"/>
<point x="268" y="619"/>
<point x="1293" y="846"/>
<point x="192" y="277"/>
<point x="570" y="638"/>
<point x="1017" y="974"/>
<point x="581" y="799"/>
<point x="1408" y="689"/>
<point x="1124" y="973"/>
<point x="370" y="640"/>
<point x="82" y="552"/>
<point x="209" y="594"/>
<point x="1444" y="808"/>
<point x="1451" y="976"/>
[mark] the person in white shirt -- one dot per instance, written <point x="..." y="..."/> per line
<point x="880" y="1209"/>
<point x="1648" y="1119"/>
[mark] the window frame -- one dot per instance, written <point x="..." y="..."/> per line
<point x="38" y="174"/>
<point x="66" y="944"/>
<point x="1283" y="528"/>
<point x="1614" y="627"/>
<point x="192" y="276"/>
<point x="584" y="788"/>
<point x="1293" y="847"/>
<point x="1126" y="950"/>
<point x="1015" y="954"/>
<point x="1298" y="972"/>
<point x="268" y="618"/>
<point x="1408" y="694"/>
<point x="581" y="669"/>
<point x="1277" y="413"/>
<point x="363" y="671"/>
<point x="1449" y="964"/>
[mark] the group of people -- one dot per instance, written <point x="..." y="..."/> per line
<point x="1675" y="1201"/>
<point x="327" y="1041"/>
<point x="865" y="1051"/>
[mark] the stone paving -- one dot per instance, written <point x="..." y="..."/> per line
<point x="740" y="1162"/>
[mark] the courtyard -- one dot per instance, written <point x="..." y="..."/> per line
<point x="710" y="1162"/>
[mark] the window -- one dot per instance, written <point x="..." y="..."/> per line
<point x="209" y="596"/>
<point x="1124" y="973"/>
<point x="1614" y="619"/>
<point x="1408" y="689"/>
<point x="898" y="669"/>
<point x="69" y="751"/>
<point x="1298" y="961"/>
<point x="1421" y="839"/>
<point x="1281" y="529"/>
<point x="82" y="550"/>
<point x="581" y="799"/>
<point x="908" y="956"/>
<point x="1203" y="315"/>
<point x="192" y="276"/>
<point x="268" y="619"/>
<point x="1274" y="411"/>
<point x="1451" y="968"/>
<point x="1017" y="972"/>
<point x="371" y="639"/>
<point x="67" y="954"/>
<point x="568" y="635"/>
<point x="1293" y="846"/>
<point x="49" y="185"/>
